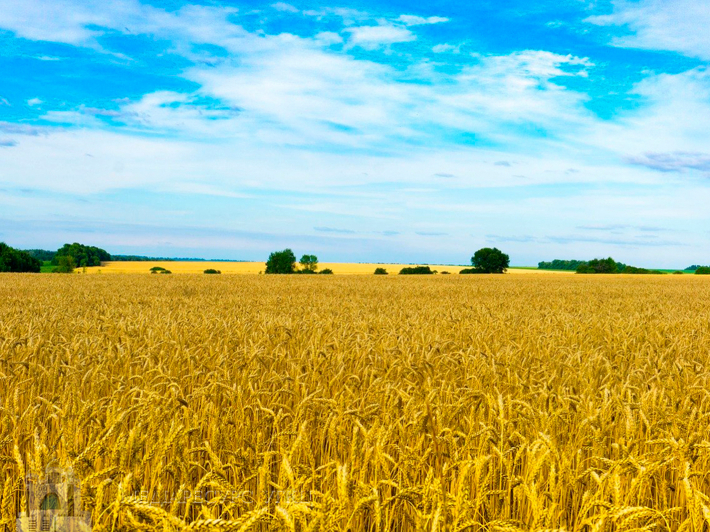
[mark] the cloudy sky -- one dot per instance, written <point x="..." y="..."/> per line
<point x="358" y="130"/>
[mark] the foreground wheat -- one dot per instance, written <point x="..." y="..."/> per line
<point x="361" y="403"/>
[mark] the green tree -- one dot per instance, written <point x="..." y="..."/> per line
<point x="309" y="263"/>
<point x="41" y="254"/>
<point x="601" y="266"/>
<point x="14" y="260"/>
<point x="559" y="264"/>
<point x="65" y="264"/>
<point x="489" y="260"/>
<point x="702" y="270"/>
<point x="281" y="262"/>
<point x="326" y="271"/>
<point x="639" y="271"/>
<point x="82" y="255"/>
<point x="380" y="271"/>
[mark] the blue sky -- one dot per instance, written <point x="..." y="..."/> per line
<point x="358" y="131"/>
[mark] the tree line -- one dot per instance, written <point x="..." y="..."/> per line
<point x="609" y="266"/>
<point x="485" y="260"/>
<point x="64" y="260"/>
<point x="14" y="260"/>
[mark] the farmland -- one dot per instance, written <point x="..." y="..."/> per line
<point x="340" y="268"/>
<point x="512" y="402"/>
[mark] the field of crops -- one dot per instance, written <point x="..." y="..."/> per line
<point x="299" y="403"/>
<point x="339" y="268"/>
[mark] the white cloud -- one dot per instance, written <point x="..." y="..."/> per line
<point x="446" y="48"/>
<point x="283" y="6"/>
<point x="288" y="113"/>
<point x="327" y="38"/>
<point x="673" y="118"/>
<point x="414" y="20"/>
<point x="348" y="16"/>
<point x="79" y="22"/>
<point x="34" y="101"/>
<point x="678" y="25"/>
<point x="372" y="37"/>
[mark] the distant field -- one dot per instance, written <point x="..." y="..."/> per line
<point x="256" y="267"/>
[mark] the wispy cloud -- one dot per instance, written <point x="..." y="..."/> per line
<point x="673" y="162"/>
<point x="373" y="37"/>
<point x="611" y="227"/>
<point x="503" y="238"/>
<point x="334" y="230"/>
<point x="640" y="241"/>
<point x="626" y="242"/>
<point x="283" y="6"/>
<point x="446" y="48"/>
<point x="679" y="26"/>
<point x="415" y="20"/>
<point x="18" y="129"/>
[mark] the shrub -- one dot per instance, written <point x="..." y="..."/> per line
<point x="466" y="271"/>
<point x="327" y="271"/>
<point x="445" y="273"/>
<point x="212" y="271"/>
<point x="156" y="269"/>
<point x="416" y="270"/>
<point x="678" y="272"/>
<point x="65" y="264"/>
<point x="643" y="271"/>
<point x="380" y="271"/>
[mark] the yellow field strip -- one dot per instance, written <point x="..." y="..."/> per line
<point x="339" y="268"/>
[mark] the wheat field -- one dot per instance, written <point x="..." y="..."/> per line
<point x="297" y="403"/>
<point x="339" y="268"/>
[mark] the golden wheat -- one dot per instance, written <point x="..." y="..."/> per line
<point x="481" y="403"/>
